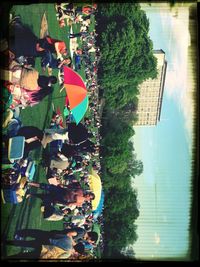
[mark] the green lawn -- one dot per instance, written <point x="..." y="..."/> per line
<point x="27" y="214"/>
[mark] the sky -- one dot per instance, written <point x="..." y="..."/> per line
<point x="165" y="149"/>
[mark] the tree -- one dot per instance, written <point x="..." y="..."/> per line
<point x="127" y="53"/>
<point x="127" y="60"/>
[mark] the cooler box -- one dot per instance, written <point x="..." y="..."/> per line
<point x="16" y="148"/>
<point x="30" y="171"/>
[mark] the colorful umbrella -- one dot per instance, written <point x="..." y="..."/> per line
<point x="76" y="93"/>
<point x="79" y="111"/>
<point x="96" y="187"/>
<point x="98" y="211"/>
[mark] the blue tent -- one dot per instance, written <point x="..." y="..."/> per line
<point x="99" y="209"/>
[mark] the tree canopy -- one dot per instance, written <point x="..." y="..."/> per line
<point x="119" y="167"/>
<point x="127" y="52"/>
<point x="126" y="61"/>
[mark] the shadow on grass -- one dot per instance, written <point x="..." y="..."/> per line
<point x="9" y="222"/>
<point x="47" y="112"/>
<point x="5" y="232"/>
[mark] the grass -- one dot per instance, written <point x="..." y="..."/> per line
<point x="27" y="214"/>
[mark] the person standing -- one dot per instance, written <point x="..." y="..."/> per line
<point x="58" y="194"/>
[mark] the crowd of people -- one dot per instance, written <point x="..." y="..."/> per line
<point x="71" y="149"/>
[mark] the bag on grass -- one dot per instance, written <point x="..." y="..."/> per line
<point x="52" y="214"/>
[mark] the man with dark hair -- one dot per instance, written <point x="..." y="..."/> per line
<point x="78" y="134"/>
<point x="88" y="239"/>
<point x="46" y="81"/>
<point x="92" y="237"/>
<point x="79" y="248"/>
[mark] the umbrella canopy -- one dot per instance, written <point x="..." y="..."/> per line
<point x="76" y="93"/>
<point x="79" y="111"/>
<point x="96" y="187"/>
<point x="99" y="209"/>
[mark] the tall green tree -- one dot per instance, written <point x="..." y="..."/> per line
<point x="127" y="52"/>
<point x="126" y="61"/>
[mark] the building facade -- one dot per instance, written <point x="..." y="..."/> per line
<point x="151" y="94"/>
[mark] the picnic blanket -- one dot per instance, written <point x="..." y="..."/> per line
<point x="29" y="79"/>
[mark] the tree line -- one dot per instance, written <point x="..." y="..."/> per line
<point x="126" y="61"/>
<point x="127" y="52"/>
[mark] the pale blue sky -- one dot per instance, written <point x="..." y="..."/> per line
<point x="165" y="150"/>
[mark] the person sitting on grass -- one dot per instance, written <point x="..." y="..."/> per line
<point x="49" y="61"/>
<point x="23" y="98"/>
<point x="46" y="244"/>
<point x="87" y="9"/>
<point x="62" y="23"/>
<point x="82" y="235"/>
<point x="27" y="78"/>
<point x="64" y="10"/>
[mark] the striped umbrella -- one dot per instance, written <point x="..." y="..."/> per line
<point x="76" y="93"/>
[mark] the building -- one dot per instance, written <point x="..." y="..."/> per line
<point x="151" y="94"/>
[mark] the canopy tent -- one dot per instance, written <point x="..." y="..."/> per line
<point x="96" y="187"/>
<point x="99" y="209"/>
